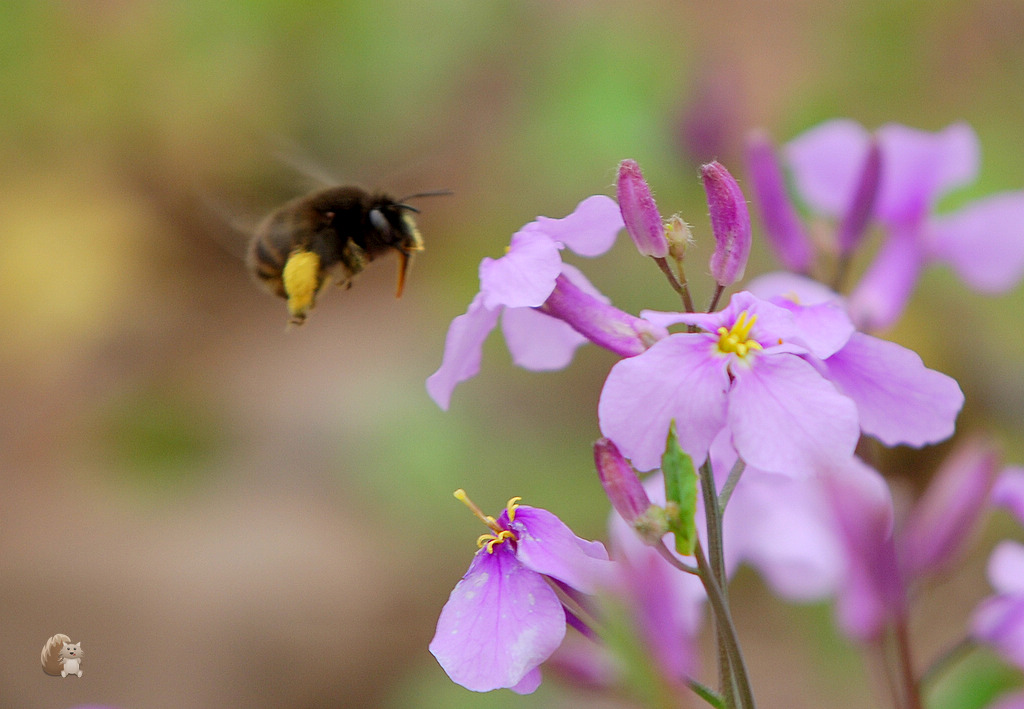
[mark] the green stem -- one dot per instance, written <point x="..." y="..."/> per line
<point x="726" y="634"/>
<point x="713" y="517"/>
<point x="715" y="298"/>
<point x="724" y="672"/>
<point x="678" y="284"/>
<point x="730" y="485"/>
<point x="911" y="688"/>
<point x="706" y="693"/>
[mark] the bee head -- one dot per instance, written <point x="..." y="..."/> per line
<point x="397" y="229"/>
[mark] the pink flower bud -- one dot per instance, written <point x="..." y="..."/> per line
<point x="782" y="226"/>
<point x="855" y="222"/>
<point x="601" y="323"/>
<point x="940" y="524"/>
<point x="639" y="212"/>
<point x="730" y="223"/>
<point x="620" y="481"/>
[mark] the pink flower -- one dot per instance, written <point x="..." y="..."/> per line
<point x="547" y="308"/>
<point x="504" y="619"/>
<point x="983" y="241"/>
<point x="744" y="372"/>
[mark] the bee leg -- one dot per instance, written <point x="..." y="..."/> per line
<point x="354" y="260"/>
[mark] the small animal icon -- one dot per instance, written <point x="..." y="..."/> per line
<point x="62" y="657"/>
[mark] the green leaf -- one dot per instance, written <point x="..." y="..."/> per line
<point x="680" y="493"/>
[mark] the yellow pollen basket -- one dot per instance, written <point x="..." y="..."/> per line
<point x="497" y="535"/>
<point x="736" y="340"/>
<point x="301" y="278"/>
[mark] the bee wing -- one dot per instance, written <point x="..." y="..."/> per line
<point x="235" y="237"/>
<point x="290" y="154"/>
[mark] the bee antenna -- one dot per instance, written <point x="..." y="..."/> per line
<point x="406" y="206"/>
<point x="435" y="193"/>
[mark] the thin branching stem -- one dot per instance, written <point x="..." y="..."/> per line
<point x="706" y="693"/>
<point x="911" y="688"/>
<point x="719" y="289"/>
<point x="730" y="484"/>
<point x="726" y="635"/>
<point x="678" y="284"/>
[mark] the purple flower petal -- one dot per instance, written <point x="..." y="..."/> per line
<point x="983" y="242"/>
<point x="918" y="167"/>
<point x="678" y="378"/>
<point x="523" y="277"/>
<point x="999" y="621"/>
<point x="546" y="545"/>
<point x="589" y="231"/>
<point x="462" y="350"/>
<point x="883" y="292"/>
<point x="899" y="399"/>
<point x="873" y="592"/>
<point x="774" y="323"/>
<point x="785" y="418"/>
<point x="501" y="621"/>
<point x="941" y="522"/>
<point x="529" y="683"/>
<point x="666" y="606"/>
<point x="1006" y="568"/>
<point x="1008" y="491"/>
<point x="1009" y="701"/>
<point x="792" y="287"/>
<point x="538" y="341"/>
<point x="822" y="324"/>
<point x="782" y="226"/>
<point x="826" y="164"/>
<point x="783" y="528"/>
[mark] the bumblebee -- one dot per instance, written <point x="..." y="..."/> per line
<point x="332" y="233"/>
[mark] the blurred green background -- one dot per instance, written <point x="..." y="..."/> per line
<point x="229" y="513"/>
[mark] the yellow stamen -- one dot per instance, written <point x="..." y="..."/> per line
<point x="301" y="277"/>
<point x="737" y="339"/>
<point x="493" y="540"/>
<point x="462" y="497"/>
<point x="511" y="507"/>
<point x="497" y="535"/>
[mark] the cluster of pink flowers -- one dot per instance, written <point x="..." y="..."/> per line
<point x="769" y="398"/>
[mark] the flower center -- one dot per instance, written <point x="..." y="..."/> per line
<point x="737" y="340"/>
<point x="497" y="534"/>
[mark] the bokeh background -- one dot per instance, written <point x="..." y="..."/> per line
<point x="227" y="512"/>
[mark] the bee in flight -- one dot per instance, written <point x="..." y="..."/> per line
<point x="332" y="233"/>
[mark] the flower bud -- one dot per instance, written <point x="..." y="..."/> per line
<point x="940" y="524"/>
<point x="855" y="221"/>
<point x="730" y="223"/>
<point x="620" y="481"/>
<point x="678" y="235"/>
<point x="639" y="212"/>
<point x="782" y="226"/>
<point x="601" y="323"/>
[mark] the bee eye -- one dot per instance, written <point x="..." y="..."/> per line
<point x="379" y="221"/>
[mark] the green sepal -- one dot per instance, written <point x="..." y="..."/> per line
<point x="680" y="493"/>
